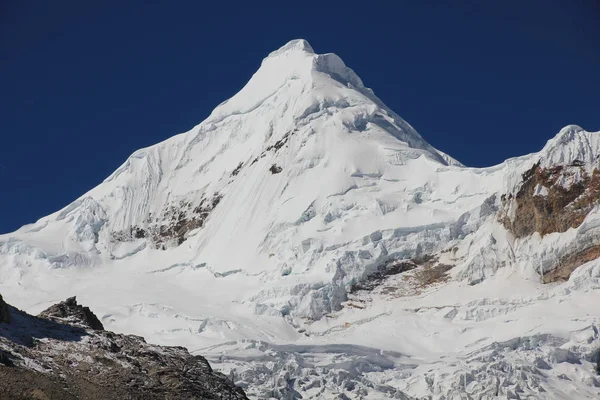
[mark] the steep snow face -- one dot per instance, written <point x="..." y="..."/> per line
<point x="304" y="172"/>
<point x="572" y="144"/>
<point x="303" y="215"/>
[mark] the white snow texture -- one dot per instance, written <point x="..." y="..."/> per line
<point x="305" y="184"/>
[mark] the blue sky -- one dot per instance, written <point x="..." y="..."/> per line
<point x="84" y="84"/>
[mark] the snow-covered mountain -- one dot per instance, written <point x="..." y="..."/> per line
<point x="310" y="242"/>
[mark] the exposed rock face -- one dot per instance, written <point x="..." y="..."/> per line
<point x="425" y="271"/>
<point x="44" y="358"/>
<point x="554" y="199"/>
<point x="4" y="312"/>
<point x="551" y="199"/>
<point x="393" y="267"/>
<point x="70" y="312"/>
<point x="275" y="169"/>
<point x="570" y="263"/>
<point x="171" y="228"/>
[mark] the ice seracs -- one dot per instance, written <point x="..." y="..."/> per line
<point x="257" y="232"/>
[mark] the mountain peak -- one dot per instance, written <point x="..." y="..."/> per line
<point x="295" y="45"/>
<point x="297" y="85"/>
<point x="572" y="144"/>
<point x="303" y="222"/>
<point x="568" y="134"/>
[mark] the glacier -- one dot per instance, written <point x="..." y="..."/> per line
<point x="311" y="244"/>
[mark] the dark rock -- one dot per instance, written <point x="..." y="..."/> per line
<point x="6" y="359"/>
<point x="557" y="210"/>
<point x="84" y="363"/>
<point x="5" y="316"/>
<point x="72" y="313"/>
<point x="237" y="169"/>
<point x="275" y="169"/>
<point x="172" y="226"/>
<point x="430" y="275"/>
<point x="389" y="268"/>
<point x="569" y="263"/>
<point x="279" y="144"/>
<point x="138" y="232"/>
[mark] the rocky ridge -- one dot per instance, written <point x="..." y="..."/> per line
<point x="65" y="353"/>
<point x="5" y="316"/>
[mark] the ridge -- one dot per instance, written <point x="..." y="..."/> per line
<point x="293" y="45"/>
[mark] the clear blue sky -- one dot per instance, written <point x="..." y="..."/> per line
<point x="84" y="84"/>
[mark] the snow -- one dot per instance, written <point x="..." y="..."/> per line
<point x="262" y="288"/>
<point x="540" y="190"/>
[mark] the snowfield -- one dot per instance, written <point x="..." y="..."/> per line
<point x="252" y="239"/>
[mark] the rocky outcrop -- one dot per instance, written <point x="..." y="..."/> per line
<point x="554" y="199"/>
<point x="70" y="312"/>
<point x="424" y="271"/>
<point x="551" y="199"/>
<point x="382" y="272"/>
<point x="172" y="226"/>
<point x="275" y="169"/>
<point x="570" y="263"/>
<point x="65" y="354"/>
<point x="4" y="312"/>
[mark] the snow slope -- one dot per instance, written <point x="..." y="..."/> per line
<point x="245" y="238"/>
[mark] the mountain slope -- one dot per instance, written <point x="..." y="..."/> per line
<point x="67" y="354"/>
<point x="303" y="228"/>
<point x="343" y="158"/>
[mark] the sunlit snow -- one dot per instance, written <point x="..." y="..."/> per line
<point x="262" y="288"/>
